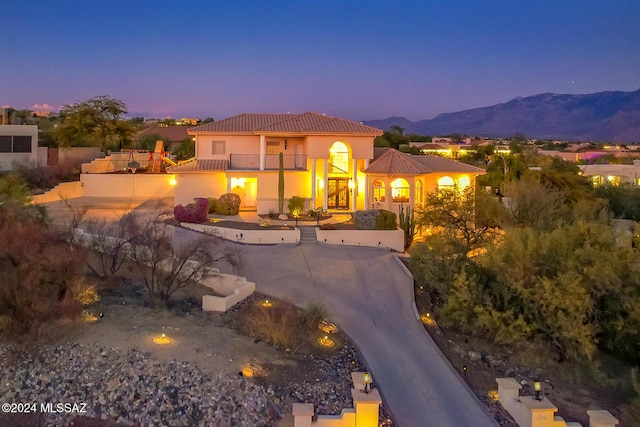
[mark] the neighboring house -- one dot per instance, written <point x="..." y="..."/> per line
<point x="172" y="136"/>
<point x="327" y="160"/>
<point x="613" y="173"/>
<point x="18" y="144"/>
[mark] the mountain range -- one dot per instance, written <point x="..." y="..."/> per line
<point x="603" y="116"/>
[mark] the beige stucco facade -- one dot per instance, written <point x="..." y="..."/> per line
<point x="12" y="152"/>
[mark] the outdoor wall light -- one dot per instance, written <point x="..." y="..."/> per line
<point x="537" y="387"/>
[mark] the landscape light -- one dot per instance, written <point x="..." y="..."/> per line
<point x="366" y="380"/>
<point x="537" y="387"/>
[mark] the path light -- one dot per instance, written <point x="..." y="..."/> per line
<point x="266" y="303"/>
<point x="366" y="380"/>
<point x="162" y="340"/>
<point x="537" y="387"/>
<point x="426" y="319"/>
<point x="326" y="342"/>
<point x="327" y="327"/>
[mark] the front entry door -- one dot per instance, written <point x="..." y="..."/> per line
<point x="338" y="193"/>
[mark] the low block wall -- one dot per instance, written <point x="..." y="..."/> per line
<point x="65" y="190"/>
<point x="254" y="237"/>
<point x="391" y="239"/>
<point x="127" y="185"/>
<point x="233" y="288"/>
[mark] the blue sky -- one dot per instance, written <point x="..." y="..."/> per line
<point x="359" y="60"/>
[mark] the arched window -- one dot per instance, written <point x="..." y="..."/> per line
<point x="339" y="158"/>
<point x="446" y="182"/>
<point x="418" y="197"/>
<point x="400" y="191"/>
<point x="463" y="182"/>
<point x="379" y="194"/>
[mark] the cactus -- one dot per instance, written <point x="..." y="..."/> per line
<point x="408" y="224"/>
<point x="281" y="183"/>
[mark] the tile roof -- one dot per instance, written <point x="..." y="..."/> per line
<point x="309" y="123"/>
<point x="397" y="163"/>
<point x="170" y="133"/>
<point x="199" y="165"/>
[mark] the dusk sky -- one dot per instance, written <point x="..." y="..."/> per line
<point x="359" y="60"/>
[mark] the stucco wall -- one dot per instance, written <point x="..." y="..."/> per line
<point x="391" y="239"/>
<point x="318" y="145"/>
<point x="234" y="144"/>
<point x="192" y="185"/>
<point x="256" y="237"/>
<point x="127" y="185"/>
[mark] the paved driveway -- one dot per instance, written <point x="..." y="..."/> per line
<point x="369" y="295"/>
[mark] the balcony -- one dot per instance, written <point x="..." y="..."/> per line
<point x="252" y="161"/>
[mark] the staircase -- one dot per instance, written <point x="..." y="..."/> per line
<point x="308" y="234"/>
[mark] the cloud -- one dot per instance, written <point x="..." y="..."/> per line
<point x="43" y="107"/>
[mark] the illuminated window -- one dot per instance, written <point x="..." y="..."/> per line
<point x="339" y="159"/>
<point x="400" y="191"/>
<point x="217" y="147"/>
<point x="464" y="182"/>
<point x="418" y="200"/>
<point x="378" y="191"/>
<point x="446" y="182"/>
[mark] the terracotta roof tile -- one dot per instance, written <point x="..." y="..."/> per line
<point x="308" y="122"/>
<point x="199" y="165"/>
<point x="397" y="163"/>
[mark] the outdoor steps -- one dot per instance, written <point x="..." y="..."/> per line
<point x="308" y="234"/>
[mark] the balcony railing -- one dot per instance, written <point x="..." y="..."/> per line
<point x="252" y="161"/>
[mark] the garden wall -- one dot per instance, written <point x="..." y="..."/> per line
<point x="391" y="239"/>
<point x="254" y="237"/>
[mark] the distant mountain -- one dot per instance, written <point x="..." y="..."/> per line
<point x="602" y="116"/>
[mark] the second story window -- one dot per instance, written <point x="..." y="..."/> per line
<point x="218" y="147"/>
<point x="273" y="147"/>
<point x="339" y="160"/>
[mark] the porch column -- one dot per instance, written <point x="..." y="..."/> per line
<point x="325" y="175"/>
<point x="366" y="191"/>
<point x="412" y="192"/>
<point x="228" y="183"/>
<point x="388" y="193"/>
<point x="354" y="178"/>
<point x="263" y="150"/>
<point x="314" y="183"/>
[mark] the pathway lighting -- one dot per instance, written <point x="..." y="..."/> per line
<point x="162" y="340"/>
<point x="366" y="380"/>
<point x="537" y="387"/>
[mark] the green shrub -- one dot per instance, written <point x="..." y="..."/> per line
<point x="296" y="204"/>
<point x="213" y="205"/>
<point x="228" y="204"/>
<point x="311" y="213"/>
<point x="386" y="220"/>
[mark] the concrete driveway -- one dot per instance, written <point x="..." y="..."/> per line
<point x="369" y="295"/>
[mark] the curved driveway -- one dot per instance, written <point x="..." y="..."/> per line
<point x="370" y="296"/>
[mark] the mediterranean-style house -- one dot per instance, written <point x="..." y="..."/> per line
<point x="328" y="161"/>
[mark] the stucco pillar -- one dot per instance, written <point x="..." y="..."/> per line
<point x="325" y="176"/>
<point x="314" y="183"/>
<point x="367" y="190"/>
<point x="354" y="179"/>
<point x="263" y="149"/>
<point x="302" y="414"/>
<point x="228" y="184"/>
<point x="412" y="192"/>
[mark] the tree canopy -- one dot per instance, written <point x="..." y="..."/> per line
<point x="95" y="122"/>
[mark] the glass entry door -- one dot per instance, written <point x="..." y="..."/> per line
<point x="338" y="193"/>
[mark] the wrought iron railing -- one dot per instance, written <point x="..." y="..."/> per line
<point x="272" y="162"/>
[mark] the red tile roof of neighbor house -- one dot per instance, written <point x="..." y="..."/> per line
<point x="305" y="123"/>
<point x="195" y="165"/>
<point x="167" y="133"/>
<point x="394" y="162"/>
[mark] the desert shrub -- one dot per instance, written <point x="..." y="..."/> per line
<point x="40" y="276"/>
<point x="386" y="220"/>
<point x="314" y="314"/>
<point x="213" y="205"/>
<point x="279" y="325"/>
<point x="311" y="213"/>
<point x="366" y="220"/>
<point x="228" y="204"/>
<point x="296" y="204"/>
<point x="631" y="410"/>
